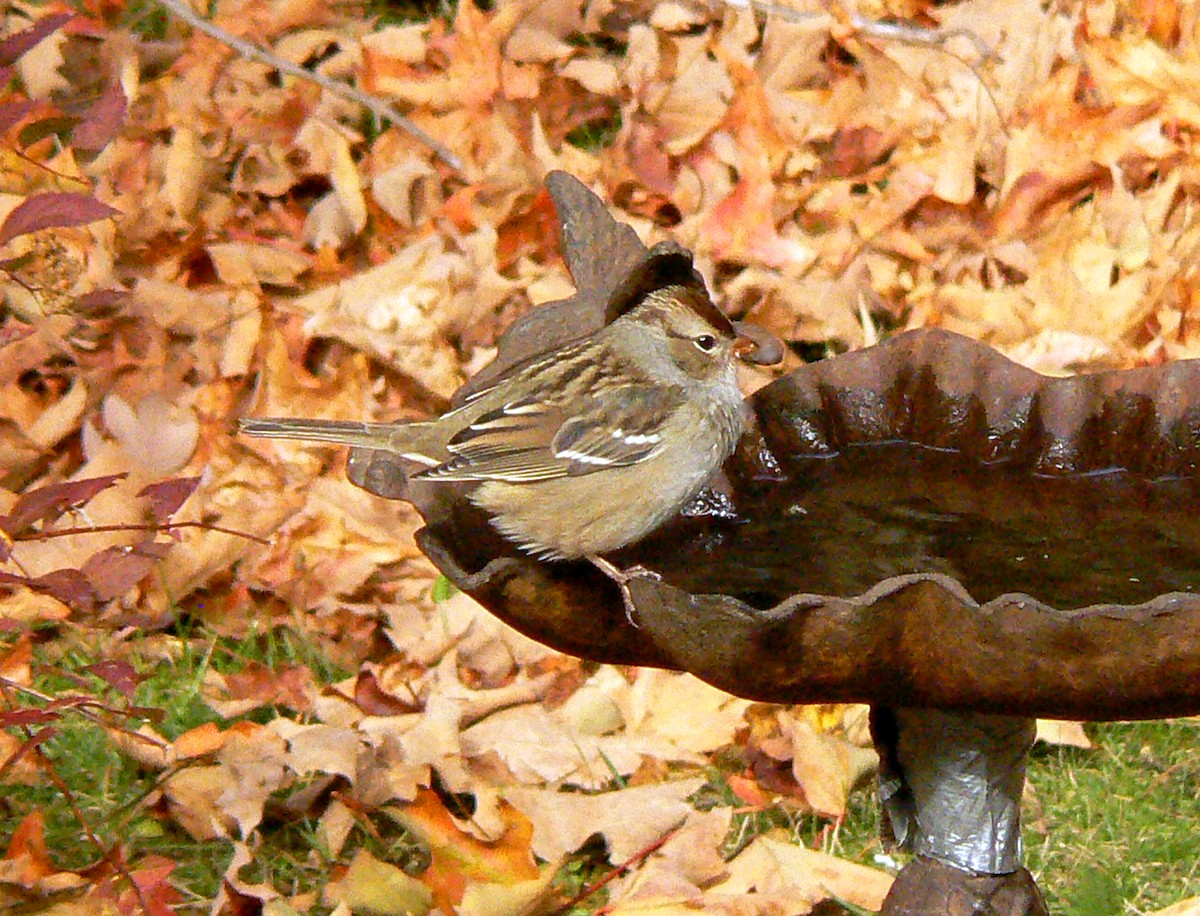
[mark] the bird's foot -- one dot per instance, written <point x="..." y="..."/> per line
<point x="622" y="577"/>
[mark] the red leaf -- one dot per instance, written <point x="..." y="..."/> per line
<point x="52" y="500"/>
<point x="102" y="120"/>
<point x="69" y="586"/>
<point x="167" y="496"/>
<point x="53" y="210"/>
<point x="14" y="46"/>
<point x="153" y="893"/>
<point x="13" y="111"/>
<point x="120" y="676"/>
<point x="98" y="301"/>
<point x="372" y="699"/>
<point x="115" y="570"/>
<point x="14" y="718"/>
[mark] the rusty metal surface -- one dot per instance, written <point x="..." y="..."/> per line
<point x="922" y="639"/>
<point x="926" y="886"/>
<point x="916" y="639"/>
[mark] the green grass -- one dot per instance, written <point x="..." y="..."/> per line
<point x="1110" y="831"/>
<point x="596" y="134"/>
<point x="1115" y="830"/>
<point x="110" y="791"/>
<point x="404" y="12"/>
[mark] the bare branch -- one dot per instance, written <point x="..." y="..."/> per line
<point x="246" y="49"/>
<point x="890" y="31"/>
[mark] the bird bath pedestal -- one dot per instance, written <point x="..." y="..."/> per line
<point x="923" y="526"/>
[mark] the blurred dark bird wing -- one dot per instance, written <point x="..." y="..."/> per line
<point x="528" y="440"/>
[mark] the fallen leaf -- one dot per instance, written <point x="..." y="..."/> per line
<point x="1189" y="907"/>
<point x="628" y="819"/>
<point x="27" y="861"/>
<point x="13" y="47"/>
<point x="1064" y="734"/>
<point x="156" y="434"/>
<point x="458" y="858"/>
<point x="375" y="887"/>
<point x="769" y="866"/>
<point x="53" y="210"/>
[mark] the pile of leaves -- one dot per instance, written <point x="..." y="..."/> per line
<point x="190" y="234"/>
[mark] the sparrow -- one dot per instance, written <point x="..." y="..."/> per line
<point x="588" y="447"/>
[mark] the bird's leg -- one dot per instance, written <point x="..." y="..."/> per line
<point x="623" y="577"/>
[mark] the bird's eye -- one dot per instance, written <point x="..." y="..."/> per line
<point x="705" y="342"/>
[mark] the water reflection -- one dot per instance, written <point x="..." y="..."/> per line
<point x="843" y="523"/>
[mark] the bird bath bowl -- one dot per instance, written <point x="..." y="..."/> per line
<point x="923" y="526"/>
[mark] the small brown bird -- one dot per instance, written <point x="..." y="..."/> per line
<point x="588" y="447"/>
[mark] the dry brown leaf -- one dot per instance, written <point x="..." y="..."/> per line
<point x="22" y="771"/>
<point x="372" y="886"/>
<point x="145" y="746"/>
<point x="232" y="883"/>
<point x="499" y="899"/>
<point x="628" y="819"/>
<point x="258" y="685"/>
<point x="1056" y="352"/>
<point x="671" y="706"/>
<point x="391" y="312"/>
<point x="825" y="767"/>
<point x="405" y="191"/>
<point x="250" y="264"/>
<point x="16" y="662"/>
<point x="226" y="799"/>
<point x="537" y="747"/>
<point x="771" y="866"/>
<point x="319" y="748"/>
<point x="186" y="173"/>
<point x="60" y="419"/>
<point x="329" y="154"/>
<point x="1189" y="907"/>
<point x="156" y="434"/>
<point x="1064" y="734"/>
<point x="24" y="607"/>
<point x="694" y="850"/>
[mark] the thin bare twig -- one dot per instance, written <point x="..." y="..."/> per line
<point x="872" y="28"/>
<point x="378" y="107"/>
<point x="165" y="526"/>
<point x="617" y="870"/>
<point x="84" y="707"/>
<point x="46" y="765"/>
<point x="890" y="31"/>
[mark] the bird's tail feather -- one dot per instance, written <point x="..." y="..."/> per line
<point x="409" y="440"/>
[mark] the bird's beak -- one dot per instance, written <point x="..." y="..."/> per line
<point x="756" y="345"/>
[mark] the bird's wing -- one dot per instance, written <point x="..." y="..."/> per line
<point x="625" y="427"/>
<point x="529" y="440"/>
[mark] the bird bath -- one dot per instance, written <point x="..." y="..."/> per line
<point x="923" y="526"/>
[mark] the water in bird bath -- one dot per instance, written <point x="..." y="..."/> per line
<point x="843" y="523"/>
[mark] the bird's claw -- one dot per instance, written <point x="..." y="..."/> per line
<point x="622" y="578"/>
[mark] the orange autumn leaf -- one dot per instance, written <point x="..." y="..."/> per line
<point x="458" y="857"/>
<point x="203" y="739"/>
<point x="15" y="663"/>
<point x="27" y="861"/>
<point x="741" y="228"/>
